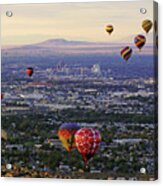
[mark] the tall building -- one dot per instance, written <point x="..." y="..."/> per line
<point x="96" y="69"/>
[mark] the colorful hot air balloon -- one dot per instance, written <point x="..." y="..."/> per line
<point x="29" y="71"/>
<point x="140" y="41"/>
<point x="126" y="53"/>
<point x="87" y="142"/>
<point x="147" y="25"/>
<point x="109" y="29"/>
<point x="66" y="135"/>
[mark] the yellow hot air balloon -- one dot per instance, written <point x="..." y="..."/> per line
<point x="66" y="135"/>
<point x="147" y="25"/>
<point x="109" y="29"/>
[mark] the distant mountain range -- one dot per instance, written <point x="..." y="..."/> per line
<point x="107" y="55"/>
<point x="62" y="46"/>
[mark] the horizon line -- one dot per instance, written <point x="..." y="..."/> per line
<point x="68" y="40"/>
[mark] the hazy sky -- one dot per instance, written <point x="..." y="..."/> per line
<point x="73" y="21"/>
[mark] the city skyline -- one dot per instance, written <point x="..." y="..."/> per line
<point x="79" y="99"/>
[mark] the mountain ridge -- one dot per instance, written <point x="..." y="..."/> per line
<point x="62" y="41"/>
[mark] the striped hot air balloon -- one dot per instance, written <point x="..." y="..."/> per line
<point x="140" y="41"/>
<point x="147" y="25"/>
<point x="109" y="29"/>
<point x="126" y="53"/>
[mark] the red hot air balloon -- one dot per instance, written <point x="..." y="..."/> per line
<point x="87" y="142"/>
<point x="66" y="135"/>
<point x="29" y="71"/>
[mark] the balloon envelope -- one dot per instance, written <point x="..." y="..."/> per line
<point x="140" y="41"/>
<point x="126" y="53"/>
<point x="147" y="25"/>
<point x="66" y="135"/>
<point x="87" y="142"/>
<point x="109" y="29"/>
<point x="29" y="71"/>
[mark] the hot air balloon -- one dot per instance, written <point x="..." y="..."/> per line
<point x="140" y="41"/>
<point x="109" y="29"/>
<point x="29" y="71"/>
<point x="87" y="142"/>
<point x="66" y="135"/>
<point x="126" y="53"/>
<point x="147" y="25"/>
